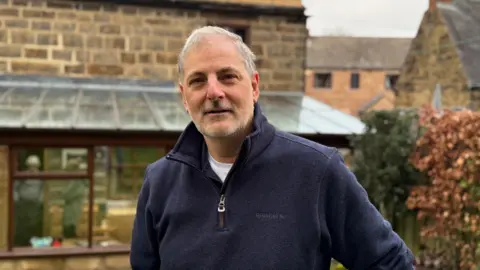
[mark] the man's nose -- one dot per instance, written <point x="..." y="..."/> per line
<point x="214" y="89"/>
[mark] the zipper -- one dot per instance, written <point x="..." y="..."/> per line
<point x="221" y="212"/>
<point x="221" y="208"/>
<point x="221" y="203"/>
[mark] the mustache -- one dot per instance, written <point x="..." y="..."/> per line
<point x="216" y="106"/>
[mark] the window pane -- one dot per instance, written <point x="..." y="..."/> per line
<point x="96" y="98"/>
<point x="16" y="105"/>
<point x="138" y="118"/>
<point x="355" y="81"/>
<point x="50" y="213"/>
<point x="23" y="96"/>
<point x="64" y="160"/>
<point x="3" y="90"/>
<point x="391" y="81"/>
<point x="10" y="116"/>
<point x="96" y="110"/>
<point x="168" y="107"/>
<point x="302" y="114"/>
<point x="119" y="174"/>
<point x="3" y="196"/>
<point x="284" y="115"/>
<point x="323" y="80"/>
<point x="56" y="109"/>
<point x="96" y="116"/>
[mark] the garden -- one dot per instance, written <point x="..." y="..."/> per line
<point x="421" y="168"/>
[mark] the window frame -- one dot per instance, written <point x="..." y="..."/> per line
<point x="12" y="252"/>
<point x="236" y="26"/>
<point x="358" y="81"/>
<point x="390" y="86"/>
<point x="14" y="175"/>
<point x="315" y="80"/>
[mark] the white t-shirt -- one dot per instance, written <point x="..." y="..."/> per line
<point x="221" y="169"/>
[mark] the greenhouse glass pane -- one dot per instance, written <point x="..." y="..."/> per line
<point x="96" y="116"/>
<point x="169" y="110"/>
<point x="16" y="105"/>
<point x="134" y="112"/>
<point x="56" y="109"/>
<point x="91" y="97"/>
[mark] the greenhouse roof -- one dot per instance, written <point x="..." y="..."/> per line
<point x="44" y="102"/>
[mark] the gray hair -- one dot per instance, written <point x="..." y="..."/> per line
<point x="199" y="34"/>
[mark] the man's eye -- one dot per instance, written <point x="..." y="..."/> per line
<point x="195" y="81"/>
<point x="228" y="77"/>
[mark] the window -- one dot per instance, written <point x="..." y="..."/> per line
<point x="50" y="212"/>
<point x="323" y="80"/>
<point x="52" y="206"/>
<point x="391" y="81"/>
<point x="354" y="81"/>
<point x="50" y="197"/>
<point x="118" y="177"/>
<point x="242" y="31"/>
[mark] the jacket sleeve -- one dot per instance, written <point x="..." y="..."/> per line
<point x="144" y="245"/>
<point x="360" y="238"/>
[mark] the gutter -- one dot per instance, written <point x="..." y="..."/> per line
<point x="245" y="10"/>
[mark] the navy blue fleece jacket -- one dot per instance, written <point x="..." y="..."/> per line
<point x="288" y="203"/>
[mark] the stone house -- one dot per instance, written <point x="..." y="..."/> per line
<point x="102" y="38"/>
<point x="354" y="74"/>
<point x="444" y="52"/>
<point x="87" y="88"/>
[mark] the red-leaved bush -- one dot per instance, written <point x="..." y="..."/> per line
<point x="449" y="206"/>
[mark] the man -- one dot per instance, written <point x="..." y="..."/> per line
<point x="234" y="193"/>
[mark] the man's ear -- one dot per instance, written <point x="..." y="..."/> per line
<point x="256" y="86"/>
<point x="182" y="94"/>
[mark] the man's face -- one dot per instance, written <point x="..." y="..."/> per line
<point x="217" y="91"/>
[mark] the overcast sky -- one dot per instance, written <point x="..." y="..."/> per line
<point x="386" y="18"/>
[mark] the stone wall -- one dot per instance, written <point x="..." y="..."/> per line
<point x="342" y="97"/>
<point x="432" y="59"/>
<point x="74" y="39"/>
<point x="112" y="262"/>
<point x="3" y="197"/>
<point x="280" y="3"/>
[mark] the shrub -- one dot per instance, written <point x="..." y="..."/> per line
<point x="449" y="205"/>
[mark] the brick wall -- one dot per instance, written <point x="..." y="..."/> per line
<point x="341" y="96"/>
<point x="73" y="39"/>
<point x="279" y="3"/>
<point x="386" y="103"/>
<point x="432" y="59"/>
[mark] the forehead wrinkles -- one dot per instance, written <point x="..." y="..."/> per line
<point x="213" y="52"/>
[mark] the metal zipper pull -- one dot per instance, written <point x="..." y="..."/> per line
<point x="221" y="211"/>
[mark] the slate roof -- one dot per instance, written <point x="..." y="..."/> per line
<point x="463" y="22"/>
<point x="332" y="52"/>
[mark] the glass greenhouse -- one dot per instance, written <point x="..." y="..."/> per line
<point x="73" y="153"/>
